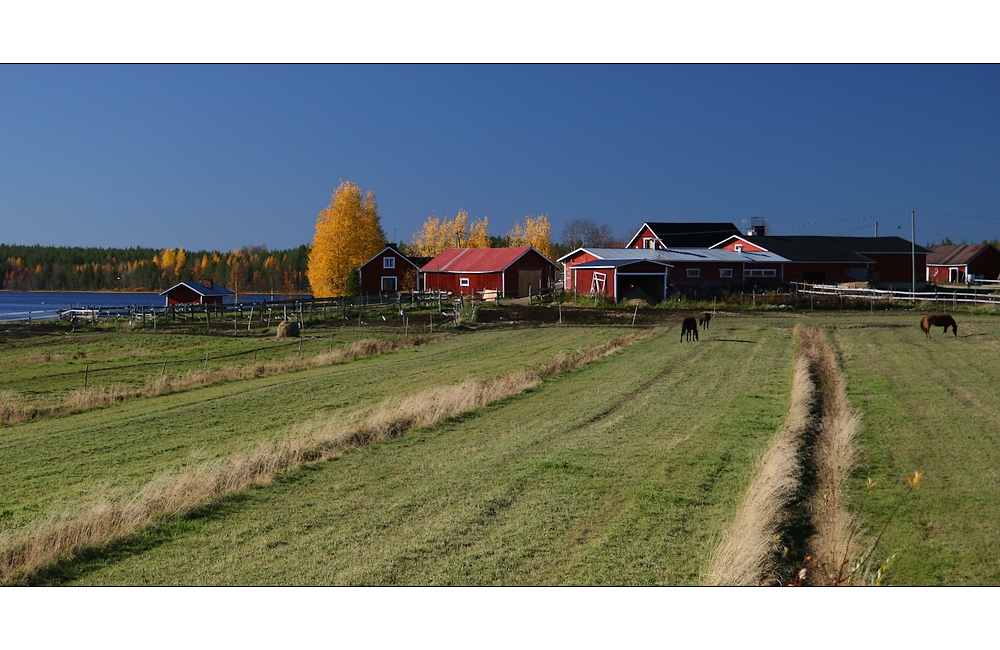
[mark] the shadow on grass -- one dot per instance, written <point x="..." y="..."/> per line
<point x="94" y="558"/>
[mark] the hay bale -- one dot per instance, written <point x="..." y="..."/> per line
<point x="288" y="330"/>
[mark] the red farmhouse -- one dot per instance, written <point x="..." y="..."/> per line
<point x="512" y="272"/>
<point x="391" y="271"/>
<point x="960" y="263"/>
<point x="205" y="292"/>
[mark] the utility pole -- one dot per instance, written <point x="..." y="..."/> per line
<point x="913" y="253"/>
<point x="876" y="228"/>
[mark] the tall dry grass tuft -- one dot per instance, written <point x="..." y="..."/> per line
<point x="836" y="542"/>
<point x="746" y="550"/>
<point x="12" y="408"/>
<point x="26" y="551"/>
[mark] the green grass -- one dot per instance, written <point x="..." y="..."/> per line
<point x="60" y="460"/>
<point x="622" y="472"/>
<point x="930" y="406"/>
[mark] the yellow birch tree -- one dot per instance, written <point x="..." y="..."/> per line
<point x="535" y="231"/>
<point x="436" y="234"/>
<point x="348" y="234"/>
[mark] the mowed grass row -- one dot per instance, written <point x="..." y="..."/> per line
<point x="43" y="369"/>
<point x="931" y="406"/>
<point x="624" y="471"/>
<point x="55" y="462"/>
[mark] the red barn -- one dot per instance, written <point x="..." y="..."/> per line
<point x="512" y="272"/>
<point x="205" y="292"/>
<point x="960" y="263"/>
<point x="390" y="271"/>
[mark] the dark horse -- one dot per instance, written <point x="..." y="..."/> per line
<point x="689" y="327"/>
<point x="703" y="321"/>
<point x="938" y="320"/>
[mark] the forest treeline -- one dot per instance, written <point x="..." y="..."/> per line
<point x="251" y="269"/>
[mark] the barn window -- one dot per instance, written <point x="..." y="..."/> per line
<point x="388" y="283"/>
<point x="649" y="242"/>
<point x="694" y="273"/>
<point x="388" y="262"/>
<point x="738" y="248"/>
<point x="725" y="273"/>
<point x="463" y="282"/>
<point x="760" y="273"/>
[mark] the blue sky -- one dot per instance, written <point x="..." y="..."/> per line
<point x="218" y="157"/>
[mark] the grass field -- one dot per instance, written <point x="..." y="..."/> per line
<point x="624" y="471"/>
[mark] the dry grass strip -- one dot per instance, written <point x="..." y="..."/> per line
<point x="747" y="549"/>
<point x="746" y="552"/>
<point x="24" y="552"/>
<point x="836" y="541"/>
<point x="13" y="408"/>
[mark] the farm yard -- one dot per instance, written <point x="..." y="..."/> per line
<point x="626" y="468"/>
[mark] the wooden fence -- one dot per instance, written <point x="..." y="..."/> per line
<point x="938" y="296"/>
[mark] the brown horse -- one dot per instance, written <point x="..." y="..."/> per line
<point x="938" y="320"/>
<point x="689" y="327"/>
<point x="703" y="321"/>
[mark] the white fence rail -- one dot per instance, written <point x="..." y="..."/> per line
<point x="936" y="296"/>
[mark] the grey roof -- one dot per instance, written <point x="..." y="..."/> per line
<point x="681" y="255"/>
<point x="198" y="287"/>
<point x="616" y="263"/>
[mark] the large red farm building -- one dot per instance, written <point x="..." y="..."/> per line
<point x="963" y="262"/>
<point x="511" y="272"/>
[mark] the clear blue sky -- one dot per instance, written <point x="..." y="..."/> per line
<point x="218" y="157"/>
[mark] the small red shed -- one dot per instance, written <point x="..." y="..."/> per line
<point x="205" y="292"/>
<point x="390" y="271"/>
<point x="512" y="272"/>
<point x="962" y="262"/>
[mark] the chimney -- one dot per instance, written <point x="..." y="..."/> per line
<point x="758" y="227"/>
<point x="208" y="284"/>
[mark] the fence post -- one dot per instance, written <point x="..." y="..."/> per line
<point x="164" y="369"/>
<point x="86" y="376"/>
<point x="206" y="363"/>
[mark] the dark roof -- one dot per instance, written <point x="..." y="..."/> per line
<point x="807" y="248"/>
<point x="945" y="255"/>
<point x="199" y="288"/>
<point x="689" y="235"/>
<point x="881" y="245"/>
<point x="477" y="260"/>
<point x="415" y="261"/>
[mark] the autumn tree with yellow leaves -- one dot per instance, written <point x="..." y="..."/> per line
<point x="437" y="234"/>
<point x="535" y="231"/>
<point x="348" y="234"/>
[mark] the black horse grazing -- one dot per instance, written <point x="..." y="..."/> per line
<point x="689" y="327"/>
<point x="703" y="321"/>
<point x="938" y="320"/>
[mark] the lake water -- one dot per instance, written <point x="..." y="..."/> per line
<point x="40" y="305"/>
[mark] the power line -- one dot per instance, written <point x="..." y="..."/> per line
<point x="960" y="216"/>
<point x="870" y="216"/>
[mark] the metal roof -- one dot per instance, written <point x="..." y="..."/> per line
<point x="616" y="263"/>
<point x="199" y="288"/>
<point x="953" y="254"/>
<point x="681" y="255"/>
<point x="476" y="260"/>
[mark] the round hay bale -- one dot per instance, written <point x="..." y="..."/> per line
<point x="288" y="330"/>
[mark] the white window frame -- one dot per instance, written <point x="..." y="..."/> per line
<point x="738" y="248"/>
<point x="388" y="262"/>
<point x="760" y="273"/>
<point x="463" y="282"/>
<point x="725" y="273"/>
<point x="694" y="273"/>
<point x="649" y="242"/>
<point x="395" y="283"/>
